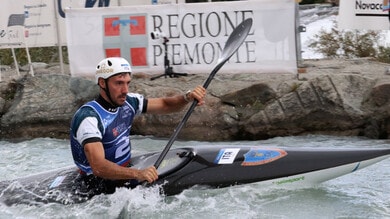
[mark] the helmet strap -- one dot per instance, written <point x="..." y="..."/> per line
<point x="107" y="91"/>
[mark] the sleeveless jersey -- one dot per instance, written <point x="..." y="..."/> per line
<point x="113" y="128"/>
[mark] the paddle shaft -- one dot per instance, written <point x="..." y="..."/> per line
<point x="186" y="116"/>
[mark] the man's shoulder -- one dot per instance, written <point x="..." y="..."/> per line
<point x="86" y="111"/>
<point x="134" y="98"/>
<point x="136" y="101"/>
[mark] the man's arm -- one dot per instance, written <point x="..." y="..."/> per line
<point x="176" y="103"/>
<point x="108" y="170"/>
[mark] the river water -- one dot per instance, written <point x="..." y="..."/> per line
<point x="362" y="194"/>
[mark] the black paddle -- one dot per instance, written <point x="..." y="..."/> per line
<point x="234" y="41"/>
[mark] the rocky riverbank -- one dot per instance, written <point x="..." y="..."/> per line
<point x="335" y="97"/>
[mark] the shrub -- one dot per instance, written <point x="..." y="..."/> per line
<point x="359" y="44"/>
<point x="384" y="54"/>
<point x="349" y="44"/>
<point x="326" y="43"/>
<point x="37" y="54"/>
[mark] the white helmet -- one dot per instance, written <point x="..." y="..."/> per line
<point x="111" y="66"/>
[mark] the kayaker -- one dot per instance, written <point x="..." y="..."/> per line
<point x="100" y="129"/>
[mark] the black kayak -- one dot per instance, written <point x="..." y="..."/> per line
<point x="213" y="166"/>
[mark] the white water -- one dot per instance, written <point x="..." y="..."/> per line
<point x="362" y="194"/>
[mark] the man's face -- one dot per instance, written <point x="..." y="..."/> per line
<point x="118" y="86"/>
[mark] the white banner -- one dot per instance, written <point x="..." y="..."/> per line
<point x="196" y="34"/>
<point x="34" y="22"/>
<point x="30" y="23"/>
<point x="364" y="14"/>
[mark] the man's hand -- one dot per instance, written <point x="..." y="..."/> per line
<point x="198" y="93"/>
<point x="149" y="174"/>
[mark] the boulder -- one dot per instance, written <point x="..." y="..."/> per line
<point x="238" y="106"/>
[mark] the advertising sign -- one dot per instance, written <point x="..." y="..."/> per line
<point x="194" y="33"/>
<point x="364" y="14"/>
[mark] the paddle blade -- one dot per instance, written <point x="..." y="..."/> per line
<point x="236" y="38"/>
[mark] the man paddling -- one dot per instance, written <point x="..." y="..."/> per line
<point x="100" y="129"/>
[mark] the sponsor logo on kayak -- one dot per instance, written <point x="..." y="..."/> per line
<point x="259" y="156"/>
<point x="169" y="163"/>
<point x="226" y="156"/>
<point x="57" y="181"/>
<point x="292" y="180"/>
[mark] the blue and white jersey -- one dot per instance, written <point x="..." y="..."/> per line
<point x="92" y="122"/>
